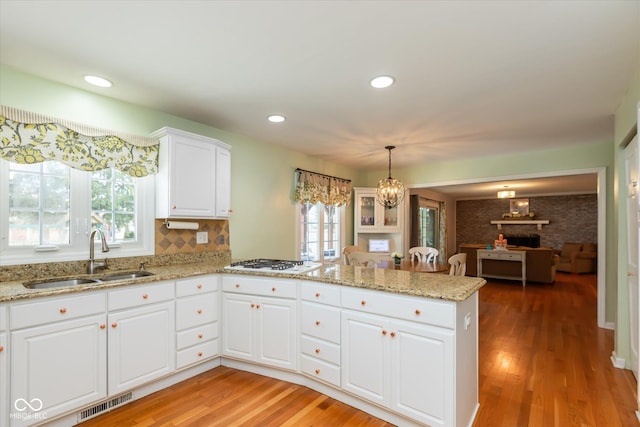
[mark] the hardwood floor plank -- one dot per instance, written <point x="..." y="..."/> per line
<point x="543" y="363"/>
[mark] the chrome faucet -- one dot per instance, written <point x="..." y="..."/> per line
<point x="93" y="264"/>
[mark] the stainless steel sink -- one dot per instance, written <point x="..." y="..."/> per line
<point x="125" y="275"/>
<point x="59" y="283"/>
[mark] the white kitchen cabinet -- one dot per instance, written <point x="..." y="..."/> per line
<point x="371" y="217"/>
<point x="141" y="335"/>
<point x="58" y="356"/>
<point x="197" y="320"/>
<point x="194" y="176"/>
<point x="4" y="378"/>
<point x="320" y="332"/>
<point x="371" y="220"/>
<point x="256" y="327"/>
<point x="403" y="366"/>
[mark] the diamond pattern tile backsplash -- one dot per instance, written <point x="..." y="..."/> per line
<point x="184" y="241"/>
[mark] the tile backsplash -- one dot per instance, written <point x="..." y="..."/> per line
<point x="184" y="241"/>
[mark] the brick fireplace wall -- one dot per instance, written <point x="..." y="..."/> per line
<point x="571" y="218"/>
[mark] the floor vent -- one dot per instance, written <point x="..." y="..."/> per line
<point x="104" y="407"/>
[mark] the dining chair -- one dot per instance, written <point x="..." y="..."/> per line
<point x="347" y="250"/>
<point x="423" y="253"/>
<point x="458" y="264"/>
<point x="362" y="259"/>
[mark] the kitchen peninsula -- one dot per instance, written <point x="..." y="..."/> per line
<point x="399" y="345"/>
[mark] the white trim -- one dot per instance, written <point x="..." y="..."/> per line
<point x="602" y="217"/>
<point x="616" y="361"/>
<point x="610" y="325"/>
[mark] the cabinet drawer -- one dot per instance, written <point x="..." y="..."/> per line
<point x="136" y="296"/>
<point x="320" y="349"/>
<point x="197" y="285"/>
<point x="3" y="318"/>
<point x="320" y="321"/>
<point x="416" y="309"/>
<point x="198" y="353"/>
<point x="259" y="286"/>
<point x="320" y="370"/>
<point x="56" y="310"/>
<point x="196" y="310"/>
<point x="197" y="335"/>
<point x="323" y="294"/>
<point x="503" y="255"/>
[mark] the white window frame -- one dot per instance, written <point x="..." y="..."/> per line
<point x="298" y="236"/>
<point x="80" y="222"/>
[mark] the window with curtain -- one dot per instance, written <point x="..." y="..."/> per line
<point x="320" y="215"/>
<point x="56" y="185"/>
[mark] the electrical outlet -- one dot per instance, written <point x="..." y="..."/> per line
<point x="202" y="237"/>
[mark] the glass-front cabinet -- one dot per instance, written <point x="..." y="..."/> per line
<point x="372" y="217"/>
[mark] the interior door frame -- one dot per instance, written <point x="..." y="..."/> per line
<point x="601" y="173"/>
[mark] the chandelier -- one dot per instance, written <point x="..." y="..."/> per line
<point x="390" y="192"/>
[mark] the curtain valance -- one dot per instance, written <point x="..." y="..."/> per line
<point x="32" y="138"/>
<point x="312" y="187"/>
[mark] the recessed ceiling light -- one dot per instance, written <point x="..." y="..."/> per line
<point x="98" y="81"/>
<point x="276" y="118"/>
<point x="381" y="82"/>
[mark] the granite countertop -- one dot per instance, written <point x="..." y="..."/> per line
<point x="429" y="285"/>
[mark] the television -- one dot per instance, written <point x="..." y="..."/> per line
<point x="378" y="245"/>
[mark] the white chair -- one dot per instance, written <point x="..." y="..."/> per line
<point x="347" y="250"/>
<point x="362" y="259"/>
<point x="458" y="264"/>
<point x="423" y="254"/>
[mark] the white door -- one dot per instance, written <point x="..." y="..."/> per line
<point x="365" y="356"/>
<point x="57" y="368"/>
<point x="633" y="212"/>
<point x="141" y="345"/>
<point x="238" y="326"/>
<point x="277" y="332"/>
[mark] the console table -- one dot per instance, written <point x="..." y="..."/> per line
<point x="503" y="256"/>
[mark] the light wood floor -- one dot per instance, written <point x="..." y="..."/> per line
<point x="543" y="362"/>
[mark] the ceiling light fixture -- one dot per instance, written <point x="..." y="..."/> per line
<point x="381" y="82"/>
<point x="506" y="194"/>
<point x="276" y="118"/>
<point x="98" y="81"/>
<point x="390" y="192"/>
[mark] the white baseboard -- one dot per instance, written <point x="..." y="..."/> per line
<point x="617" y="362"/>
<point x="610" y="326"/>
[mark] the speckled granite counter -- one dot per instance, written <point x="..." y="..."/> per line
<point x="429" y="285"/>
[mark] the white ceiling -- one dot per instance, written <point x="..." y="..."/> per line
<point x="474" y="78"/>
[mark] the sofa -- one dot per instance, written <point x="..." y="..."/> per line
<point x="541" y="263"/>
<point x="578" y="258"/>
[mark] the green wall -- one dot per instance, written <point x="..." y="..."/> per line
<point x="262" y="222"/>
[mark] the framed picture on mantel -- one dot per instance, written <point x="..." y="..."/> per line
<point x="519" y="206"/>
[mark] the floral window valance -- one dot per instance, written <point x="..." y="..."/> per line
<point x="31" y="138"/>
<point x="312" y="187"/>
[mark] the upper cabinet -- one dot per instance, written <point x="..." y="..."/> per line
<point x="371" y="217"/>
<point x="194" y="176"/>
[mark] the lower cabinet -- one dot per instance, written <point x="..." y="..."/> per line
<point x="141" y="345"/>
<point x="57" y="367"/>
<point x="406" y="367"/>
<point x="4" y="372"/>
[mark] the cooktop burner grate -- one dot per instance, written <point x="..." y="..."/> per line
<point x="273" y="264"/>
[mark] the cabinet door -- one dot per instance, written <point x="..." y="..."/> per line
<point x="223" y="182"/>
<point x="141" y="345"/>
<point x="192" y="178"/>
<point x="371" y="216"/>
<point x="366" y="215"/>
<point x="277" y="332"/>
<point x="4" y="383"/>
<point x="238" y="326"/>
<point x="422" y="366"/>
<point x="58" y="367"/>
<point x="365" y="356"/>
